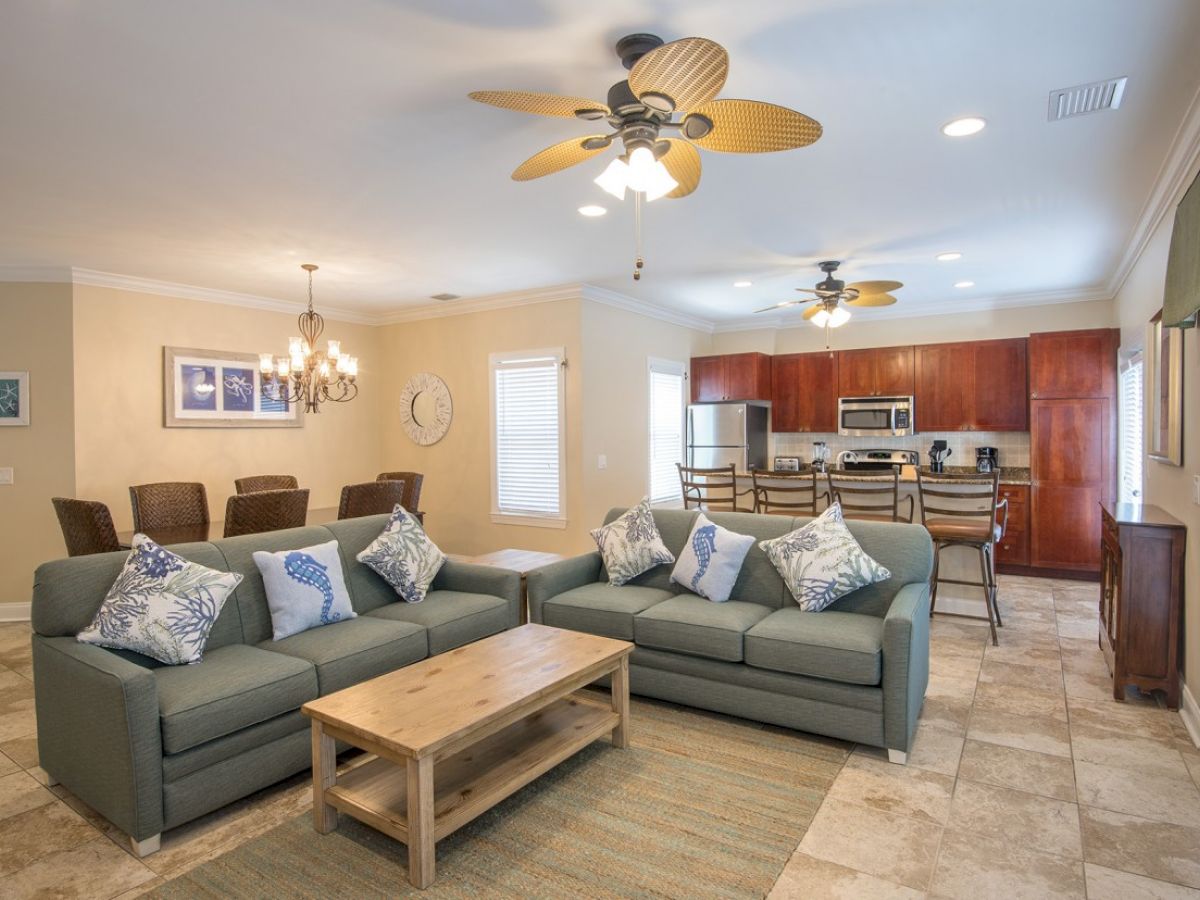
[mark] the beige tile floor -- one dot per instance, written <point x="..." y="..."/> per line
<point x="1026" y="781"/>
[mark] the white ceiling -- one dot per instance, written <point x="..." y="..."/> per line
<point x="222" y="143"/>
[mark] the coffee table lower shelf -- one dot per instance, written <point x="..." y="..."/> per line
<point x="475" y="779"/>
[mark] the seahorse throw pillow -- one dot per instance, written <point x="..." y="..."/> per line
<point x="404" y="556"/>
<point x="161" y="605"/>
<point x="711" y="559"/>
<point x="305" y="588"/>
<point x="631" y="544"/>
<point x="821" y="561"/>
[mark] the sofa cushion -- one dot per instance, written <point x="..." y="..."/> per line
<point x="231" y="688"/>
<point x="601" y="608"/>
<point x="840" y="646"/>
<point x="691" y="624"/>
<point x="346" y="653"/>
<point x="451" y="618"/>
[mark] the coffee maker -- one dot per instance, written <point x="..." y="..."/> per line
<point x="938" y="454"/>
<point x="987" y="460"/>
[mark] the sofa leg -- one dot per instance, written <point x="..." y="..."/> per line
<point x="142" y="849"/>
<point x="899" y="757"/>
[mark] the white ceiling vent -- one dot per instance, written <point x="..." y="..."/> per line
<point x="1067" y="103"/>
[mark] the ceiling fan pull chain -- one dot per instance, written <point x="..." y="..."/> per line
<point x="637" y="236"/>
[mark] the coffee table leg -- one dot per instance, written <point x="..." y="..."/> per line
<point x="620" y="702"/>
<point x="324" y="770"/>
<point x="421" y="859"/>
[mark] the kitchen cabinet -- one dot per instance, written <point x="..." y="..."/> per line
<point x="1073" y="364"/>
<point x="876" y="372"/>
<point x="972" y="386"/>
<point x="734" y="376"/>
<point x="1071" y="463"/>
<point x="804" y="392"/>
<point x="1013" y="548"/>
<point x="1141" y="596"/>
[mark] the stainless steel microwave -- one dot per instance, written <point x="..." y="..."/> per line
<point x="875" y="416"/>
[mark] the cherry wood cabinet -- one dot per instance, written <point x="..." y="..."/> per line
<point x="804" y="392"/>
<point x="972" y="386"/>
<point x="1013" y="548"/>
<point x="1066" y="365"/>
<point x="1141" y="596"/>
<point x="734" y="376"/>
<point x="876" y="372"/>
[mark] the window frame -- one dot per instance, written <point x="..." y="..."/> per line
<point x="496" y="362"/>
<point x="665" y="366"/>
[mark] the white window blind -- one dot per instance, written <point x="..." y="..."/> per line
<point x="1130" y="451"/>
<point x="666" y="429"/>
<point x="527" y="408"/>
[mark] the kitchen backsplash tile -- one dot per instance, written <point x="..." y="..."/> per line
<point x="1013" y="446"/>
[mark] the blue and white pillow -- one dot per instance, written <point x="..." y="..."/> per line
<point x="631" y="544"/>
<point x="821" y="561"/>
<point x="305" y="588"/>
<point x="161" y="605"/>
<point x="711" y="559"/>
<point x="404" y="556"/>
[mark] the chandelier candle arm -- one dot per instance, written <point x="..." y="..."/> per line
<point x="307" y="375"/>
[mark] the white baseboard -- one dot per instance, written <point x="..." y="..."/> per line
<point x="1189" y="711"/>
<point x="15" y="612"/>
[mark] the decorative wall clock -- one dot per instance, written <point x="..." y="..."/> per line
<point x="426" y="408"/>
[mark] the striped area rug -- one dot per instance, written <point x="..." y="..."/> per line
<point x="699" y="806"/>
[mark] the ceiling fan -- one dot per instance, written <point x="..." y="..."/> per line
<point x="682" y="77"/>
<point x="826" y="311"/>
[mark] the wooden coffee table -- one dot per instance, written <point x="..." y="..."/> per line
<point x="455" y="734"/>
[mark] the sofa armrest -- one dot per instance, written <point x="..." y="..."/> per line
<point x="98" y="731"/>
<point x="905" y="664"/>
<point x="472" y="578"/>
<point x="552" y="580"/>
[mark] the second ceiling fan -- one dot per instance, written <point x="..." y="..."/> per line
<point x="827" y="310"/>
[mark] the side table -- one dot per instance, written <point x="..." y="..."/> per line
<point x="523" y="561"/>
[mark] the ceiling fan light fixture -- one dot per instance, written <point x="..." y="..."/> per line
<point x="614" y="178"/>
<point x="838" y="317"/>
<point x="648" y="175"/>
<point x="821" y="318"/>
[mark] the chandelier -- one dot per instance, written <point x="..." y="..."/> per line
<point x="307" y="374"/>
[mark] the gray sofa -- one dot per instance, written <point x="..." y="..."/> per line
<point x="152" y="746"/>
<point x="856" y="671"/>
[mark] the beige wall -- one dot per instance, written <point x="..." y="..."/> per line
<point x="35" y="337"/>
<point x="970" y="326"/>
<point x="617" y="346"/>
<point x="119" y="435"/>
<point x="457" y="494"/>
<point x="1167" y="486"/>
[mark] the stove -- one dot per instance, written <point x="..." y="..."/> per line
<point x="876" y="460"/>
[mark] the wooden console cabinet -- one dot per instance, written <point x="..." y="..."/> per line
<point x="1141" y="597"/>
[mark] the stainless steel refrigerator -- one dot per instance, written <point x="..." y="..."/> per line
<point x="722" y="433"/>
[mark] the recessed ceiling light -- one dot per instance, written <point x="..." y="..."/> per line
<point x="964" y="284"/>
<point x="948" y="256"/>
<point x="742" y="283"/>
<point x="592" y="211"/>
<point x="962" y="127"/>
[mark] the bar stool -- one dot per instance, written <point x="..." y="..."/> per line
<point x="960" y="511"/>
<point x="791" y="494"/>
<point x="875" y="498"/>
<point x="709" y="488"/>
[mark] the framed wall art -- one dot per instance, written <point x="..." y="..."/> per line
<point x="1164" y="392"/>
<point x="219" y="389"/>
<point x="14" y="398"/>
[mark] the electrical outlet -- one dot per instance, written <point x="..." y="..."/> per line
<point x="601" y="461"/>
<point x="6" y="475"/>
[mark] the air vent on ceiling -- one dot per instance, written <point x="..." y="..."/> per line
<point x="444" y="297"/>
<point x="1067" y="103"/>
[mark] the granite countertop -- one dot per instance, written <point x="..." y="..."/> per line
<point x="908" y="475"/>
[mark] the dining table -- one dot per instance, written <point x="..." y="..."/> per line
<point x="210" y="531"/>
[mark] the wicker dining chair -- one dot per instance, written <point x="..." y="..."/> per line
<point x="168" y="504"/>
<point x="412" y="487"/>
<point x="261" y="511"/>
<point x="253" y="483"/>
<point x="961" y="511"/>
<point x="87" y="526"/>
<point x="709" y="488"/>
<point x="370" y="498"/>
<point x="789" y="494"/>
<point x="874" y="497"/>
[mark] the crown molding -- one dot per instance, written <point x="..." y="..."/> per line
<point x="485" y="303"/>
<point x="982" y="304"/>
<point x="617" y="300"/>
<point x="1174" y="177"/>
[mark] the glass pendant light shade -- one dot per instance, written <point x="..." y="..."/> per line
<point x="613" y="179"/>
<point x="648" y="175"/>
<point x="266" y="363"/>
<point x="840" y="316"/>
<point x="820" y="318"/>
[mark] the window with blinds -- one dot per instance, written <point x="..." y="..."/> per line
<point x="1131" y="449"/>
<point x="666" y="429"/>
<point x="527" y="437"/>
